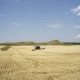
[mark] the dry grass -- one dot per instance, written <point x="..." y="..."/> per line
<point x="53" y="63"/>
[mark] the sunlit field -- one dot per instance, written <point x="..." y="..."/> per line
<point x="53" y="63"/>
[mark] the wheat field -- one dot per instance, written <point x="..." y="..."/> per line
<point x="53" y="63"/>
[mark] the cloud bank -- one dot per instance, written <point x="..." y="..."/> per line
<point x="78" y="36"/>
<point x="55" y="26"/>
<point x="77" y="27"/>
<point x="16" y="24"/>
<point x="76" y="10"/>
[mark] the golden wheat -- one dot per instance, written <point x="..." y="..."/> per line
<point x="53" y="63"/>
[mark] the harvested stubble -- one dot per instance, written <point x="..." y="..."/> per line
<point x="53" y="63"/>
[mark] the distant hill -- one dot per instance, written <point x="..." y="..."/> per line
<point x="55" y="42"/>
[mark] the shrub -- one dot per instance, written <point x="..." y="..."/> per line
<point x="5" y="48"/>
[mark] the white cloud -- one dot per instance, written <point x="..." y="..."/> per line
<point x="77" y="26"/>
<point x="76" y="10"/>
<point x="55" y="26"/>
<point x="16" y="24"/>
<point x="78" y="36"/>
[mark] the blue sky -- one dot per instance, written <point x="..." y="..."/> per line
<point x="39" y="20"/>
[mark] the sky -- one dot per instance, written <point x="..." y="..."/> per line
<point x="39" y="20"/>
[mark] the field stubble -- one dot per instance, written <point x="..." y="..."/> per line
<point x="53" y="63"/>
